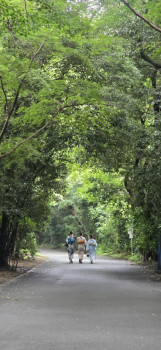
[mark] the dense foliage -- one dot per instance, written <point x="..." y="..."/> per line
<point x="80" y="122"/>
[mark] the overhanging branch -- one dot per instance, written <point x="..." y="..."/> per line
<point x="142" y="17"/>
<point x="42" y="128"/>
<point x="14" y="104"/>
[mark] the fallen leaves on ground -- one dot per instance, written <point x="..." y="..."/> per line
<point x="23" y="266"/>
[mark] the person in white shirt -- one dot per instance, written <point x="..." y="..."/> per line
<point x="91" y="248"/>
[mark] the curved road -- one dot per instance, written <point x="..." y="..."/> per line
<point x="110" y="305"/>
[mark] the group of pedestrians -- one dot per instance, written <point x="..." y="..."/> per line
<point x="90" y="246"/>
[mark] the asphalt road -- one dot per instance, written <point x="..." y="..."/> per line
<point x="110" y="305"/>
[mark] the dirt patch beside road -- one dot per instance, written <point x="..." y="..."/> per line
<point x="150" y="269"/>
<point x="23" y="266"/>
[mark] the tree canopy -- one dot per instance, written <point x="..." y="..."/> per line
<point x="80" y="122"/>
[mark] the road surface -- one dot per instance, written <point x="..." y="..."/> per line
<point x="110" y="305"/>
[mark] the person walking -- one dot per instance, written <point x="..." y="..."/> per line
<point x="91" y="248"/>
<point x="81" y="246"/>
<point x="70" y="246"/>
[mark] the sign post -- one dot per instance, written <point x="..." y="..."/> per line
<point x="130" y="233"/>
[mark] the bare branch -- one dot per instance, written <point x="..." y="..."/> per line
<point x="142" y="17"/>
<point x="5" y="95"/>
<point x="26" y="15"/>
<point x="25" y="11"/>
<point x="25" y="140"/>
<point x="35" y="54"/>
<point x="157" y="65"/>
<point x="4" y="128"/>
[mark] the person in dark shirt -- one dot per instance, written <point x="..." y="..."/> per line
<point x="70" y="241"/>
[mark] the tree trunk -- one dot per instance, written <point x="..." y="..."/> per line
<point x="4" y="261"/>
<point x="4" y="240"/>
